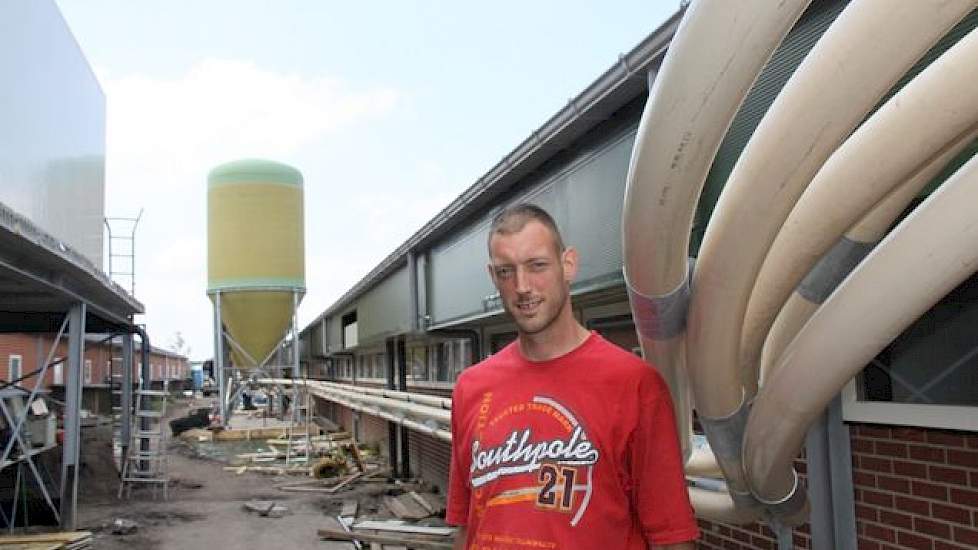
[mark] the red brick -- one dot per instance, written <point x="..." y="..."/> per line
<point x="972" y="441"/>
<point x="870" y="430"/>
<point x="929" y="490"/>
<point x="859" y="445"/>
<point x="966" y="536"/>
<point x="913" y="505"/>
<point x="895" y="519"/>
<point x="767" y="532"/>
<point x="762" y="543"/>
<point x="800" y="541"/>
<point x="896" y="484"/>
<point x="965" y="497"/>
<point x="951" y="513"/>
<point x="878" y="498"/>
<point x="941" y="545"/>
<point x="930" y="527"/>
<point x="880" y="533"/>
<point x="927" y="454"/>
<point x="740" y="535"/>
<point x="947" y="439"/>
<point x="916" y="542"/>
<point x="866" y="512"/>
<point x="911" y="469"/>
<point x="909" y="434"/>
<point x="891" y="448"/>
<point x="866" y="544"/>
<point x="973" y="479"/>
<point x="953" y="476"/>
<point x="968" y="459"/>
<point x="875" y="464"/>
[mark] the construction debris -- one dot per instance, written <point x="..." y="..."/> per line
<point x="122" y="526"/>
<point x="266" y="508"/>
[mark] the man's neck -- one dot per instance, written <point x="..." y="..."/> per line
<point x="559" y="339"/>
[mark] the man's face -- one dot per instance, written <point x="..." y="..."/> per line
<point x="532" y="276"/>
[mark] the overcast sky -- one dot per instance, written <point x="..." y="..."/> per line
<point x="389" y="109"/>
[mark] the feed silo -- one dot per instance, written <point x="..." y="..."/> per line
<point x="255" y="256"/>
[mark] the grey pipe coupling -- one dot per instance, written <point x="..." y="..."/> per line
<point x="661" y="317"/>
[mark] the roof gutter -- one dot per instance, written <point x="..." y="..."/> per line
<point x="621" y="83"/>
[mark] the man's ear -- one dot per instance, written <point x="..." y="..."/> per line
<point x="569" y="260"/>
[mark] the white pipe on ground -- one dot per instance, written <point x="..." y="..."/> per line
<point x="933" y="250"/>
<point x="903" y="145"/>
<point x="826" y="97"/>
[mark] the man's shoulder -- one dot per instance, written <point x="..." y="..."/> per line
<point x="485" y="369"/>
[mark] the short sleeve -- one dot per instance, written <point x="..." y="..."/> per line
<point x="457" y="512"/>
<point x="659" y="485"/>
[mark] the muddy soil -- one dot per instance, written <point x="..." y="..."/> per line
<point x="205" y="504"/>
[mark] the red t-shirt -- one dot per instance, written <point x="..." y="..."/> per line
<point x="579" y="452"/>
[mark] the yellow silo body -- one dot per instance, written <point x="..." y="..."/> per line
<point x="255" y="253"/>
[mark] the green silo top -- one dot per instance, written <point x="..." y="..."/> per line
<point x="254" y="171"/>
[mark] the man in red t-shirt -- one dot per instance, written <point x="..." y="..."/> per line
<point x="561" y="440"/>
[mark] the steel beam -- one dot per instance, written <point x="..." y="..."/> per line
<point x="125" y="398"/>
<point x="72" y="421"/>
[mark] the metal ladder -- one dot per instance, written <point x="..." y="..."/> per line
<point x="146" y="461"/>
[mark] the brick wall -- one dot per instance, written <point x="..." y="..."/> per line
<point x="915" y="488"/>
<point x="33" y="349"/>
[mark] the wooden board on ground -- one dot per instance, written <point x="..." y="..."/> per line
<point x="350" y="479"/>
<point x="405" y="507"/>
<point x="258" y="433"/>
<point x="340" y="534"/>
<point x="349" y="508"/>
<point x="401" y="527"/>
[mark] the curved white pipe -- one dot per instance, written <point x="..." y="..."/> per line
<point x="865" y="234"/>
<point x="907" y="141"/>
<point x="928" y="254"/>
<point x="715" y="56"/>
<point x="826" y="97"/>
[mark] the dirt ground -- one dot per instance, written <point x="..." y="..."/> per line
<point x="205" y="508"/>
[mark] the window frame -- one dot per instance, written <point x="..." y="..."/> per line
<point x="10" y="365"/>
<point x="949" y="417"/>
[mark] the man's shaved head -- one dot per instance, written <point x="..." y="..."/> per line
<point x="514" y="218"/>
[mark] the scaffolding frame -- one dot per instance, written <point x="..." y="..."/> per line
<point x="130" y="257"/>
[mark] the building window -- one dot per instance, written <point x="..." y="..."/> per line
<point x="88" y="371"/>
<point x="417" y="359"/>
<point x="59" y="371"/>
<point x="349" y="323"/>
<point x="14" y="367"/>
<point x="928" y="375"/>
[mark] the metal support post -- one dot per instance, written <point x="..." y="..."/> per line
<point x="219" y="356"/>
<point x="400" y="370"/>
<point x="125" y="398"/>
<point x="392" y="432"/>
<point x="833" y="517"/>
<point x="72" y="421"/>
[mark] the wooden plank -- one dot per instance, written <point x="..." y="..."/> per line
<point x="421" y="501"/>
<point x="401" y="527"/>
<point x="338" y="534"/>
<point x="345" y="482"/>
<point x="349" y="508"/>
<point x="405" y="507"/>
